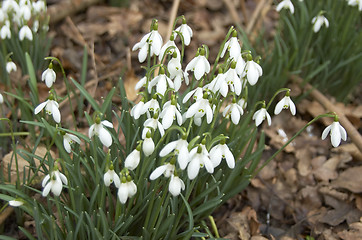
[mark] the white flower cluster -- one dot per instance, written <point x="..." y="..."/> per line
<point x="24" y="17"/>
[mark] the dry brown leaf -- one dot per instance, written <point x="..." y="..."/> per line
<point x="354" y="232"/>
<point x="327" y="171"/>
<point x="304" y="161"/>
<point x="350" y="179"/>
<point x="22" y="164"/>
<point x="311" y="198"/>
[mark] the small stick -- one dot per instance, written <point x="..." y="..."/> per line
<point x="351" y="130"/>
<point x="243" y="10"/>
<point x="234" y="14"/>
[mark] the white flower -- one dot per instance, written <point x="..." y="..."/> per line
<point x="285" y="103"/>
<point x="167" y="170"/>
<point x="218" y="84"/>
<point x="161" y="82"/>
<point x="154" y="124"/>
<point x="199" y="158"/>
<point x="152" y="40"/>
<point x="39" y="6"/>
<point x="133" y="159"/>
<point x="242" y="103"/>
<point x="318" y="21"/>
<point x="233" y="80"/>
<point x="181" y="150"/>
<point x="197" y="92"/>
<point x="337" y="133"/>
<point x="175" y="69"/>
<point x="16" y="203"/>
<point x="152" y="105"/>
<point x="219" y="152"/>
<point x="5" y="32"/>
<point x="354" y="3"/>
<point x="199" y="109"/>
<point x="169" y="43"/>
<point x="126" y="190"/>
<point x="260" y="115"/>
<point x="233" y="46"/>
<point x="10" y="66"/>
<point x="111" y="176"/>
<point x="98" y="129"/>
<point x="25" y="12"/>
<point x="69" y="139"/>
<point x="1" y="99"/>
<point x="49" y="77"/>
<point x="287" y="4"/>
<point x="235" y="111"/>
<point x="176" y="185"/>
<point x="199" y="65"/>
<point x="170" y="112"/>
<point x="138" y="109"/>
<point x="148" y="146"/>
<point x="186" y="32"/>
<point x="240" y="65"/>
<point x="253" y="72"/>
<point x="25" y="32"/>
<point x="51" y="108"/>
<point x="54" y="182"/>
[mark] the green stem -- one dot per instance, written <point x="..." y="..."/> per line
<point x="214" y="227"/>
<point x="289" y="141"/>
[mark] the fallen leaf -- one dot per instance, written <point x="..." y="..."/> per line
<point x="350" y="179"/>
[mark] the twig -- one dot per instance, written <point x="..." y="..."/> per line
<point x="260" y="19"/>
<point x="256" y="15"/>
<point x="351" y="130"/>
<point x="243" y="10"/>
<point x="5" y="214"/>
<point x="234" y="14"/>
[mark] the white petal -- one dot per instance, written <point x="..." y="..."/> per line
<point x="57" y="187"/>
<point x="148" y="146"/>
<point x="46" y="190"/>
<point x="40" y="107"/>
<point x="107" y="123"/>
<point x="67" y="145"/>
<point x="45" y="180"/>
<point x="123" y="193"/>
<point x="199" y="69"/>
<point x="158" y="172"/>
<point x="168" y="148"/>
<point x="56" y="113"/>
<point x="193" y="169"/>
<point x="105" y="137"/>
<point x="326" y="131"/>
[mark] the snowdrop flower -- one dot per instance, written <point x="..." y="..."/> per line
<point x="133" y="159"/>
<point x="49" y="76"/>
<point x="197" y="92"/>
<point x="199" y="65"/>
<point x="221" y="151"/>
<point x="200" y="108"/>
<point x="25" y="32"/>
<point x="218" y="84"/>
<point x="181" y="150"/>
<point x="25" y="12"/>
<point x="198" y="159"/>
<point x="175" y="69"/>
<point x="111" y="177"/>
<point x="5" y="32"/>
<point x="51" y="108"/>
<point x="10" y="66"/>
<point x="337" y="132"/>
<point x="161" y="82"/>
<point x="138" y="109"/>
<point x="260" y="115"/>
<point x="285" y="103"/>
<point x="186" y="31"/>
<point x="171" y="112"/>
<point x="253" y="72"/>
<point x="233" y="46"/>
<point x="235" y="111"/>
<point x="355" y="3"/>
<point x="242" y="103"/>
<point x="148" y="145"/>
<point x="172" y="48"/>
<point x="176" y="185"/>
<point x="54" y="182"/>
<point x="233" y="80"/>
<point x="152" y="123"/>
<point x="69" y="139"/>
<point x="127" y="189"/>
<point x="16" y="203"/>
<point x="152" y="105"/>
<point x="39" y="6"/>
<point x="1" y="99"/>
<point x="287" y="4"/>
<point x="167" y="170"/>
<point x="240" y="65"/>
<point x="318" y="21"/>
<point x="141" y="83"/>
<point x="153" y="40"/>
<point x="98" y="129"/>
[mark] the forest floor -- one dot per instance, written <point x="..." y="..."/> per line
<point x="309" y="190"/>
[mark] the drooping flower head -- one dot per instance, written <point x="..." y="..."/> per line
<point x="49" y="76"/>
<point x="152" y="40"/>
<point x="68" y="140"/>
<point x="285" y="103"/>
<point x="98" y="129"/>
<point x="222" y="151"/>
<point x="199" y="65"/>
<point x="111" y="177"/>
<point x="336" y="131"/>
<point x="319" y="21"/>
<point x="260" y="115"/>
<point x="133" y="159"/>
<point x="51" y="108"/>
<point x="54" y="182"/>
<point x="10" y="66"/>
<point x="186" y="31"/>
<point x="286" y="4"/>
<point x="127" y="189"/>
<point x="232" y="46"/>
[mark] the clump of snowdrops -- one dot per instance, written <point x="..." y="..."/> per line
<point x="157" y="168"/>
